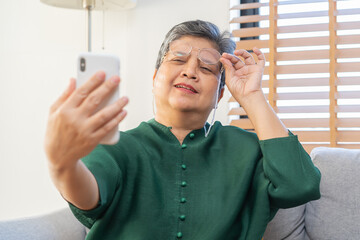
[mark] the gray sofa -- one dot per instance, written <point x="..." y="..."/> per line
<point x="60" y="225"/>
<point x="336" y="216"/>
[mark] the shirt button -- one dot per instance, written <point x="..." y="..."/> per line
<point x="183" y="200"/>
<point x="183" y="146"/>
<point x="192" y="135"/>
<point x="183" y="166"/>
<point x="182" y="217"/>
<point x="183" y="184"/>
<point x="179" y="235"/>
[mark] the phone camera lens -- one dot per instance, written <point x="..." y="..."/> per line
<point x="82" y="64"/>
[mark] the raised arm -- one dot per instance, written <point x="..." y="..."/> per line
<point x="243" y="78"/>
<point x="73" y="131"/>
<point x="286" y="164"/>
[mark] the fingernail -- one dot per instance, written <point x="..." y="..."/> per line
<point x="115" y="79"/>
<point x="124" y="99"/>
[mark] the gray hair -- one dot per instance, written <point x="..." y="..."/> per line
<point x="201" y="29"/>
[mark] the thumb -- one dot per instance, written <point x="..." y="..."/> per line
<point x="226" y="63"/>
<point x="229" y="68"/>
<point x="69" y="90"/>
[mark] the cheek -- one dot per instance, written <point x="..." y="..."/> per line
<point x="166" y="76"/>
<point x="162" y="82"/>
<point x="211" y="90"/>
<point x="210" y="87"/>
<point x="159" y="81"/>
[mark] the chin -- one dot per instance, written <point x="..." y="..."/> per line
<point x="191" y="109"/>
<point x="186" y="109"/>
<point x="188" y="106"/>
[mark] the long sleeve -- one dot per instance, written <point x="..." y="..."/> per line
<point x="108" y="177"/>
<point x="294" y="180"/>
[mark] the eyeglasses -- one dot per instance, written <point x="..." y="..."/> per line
<point x="207" y="55"/>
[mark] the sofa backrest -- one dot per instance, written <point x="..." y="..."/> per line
<point x="336" y="215"/>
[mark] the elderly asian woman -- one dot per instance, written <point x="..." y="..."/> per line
<point x="177" y="176"/>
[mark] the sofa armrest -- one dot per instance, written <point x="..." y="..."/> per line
<point x="60" y="225"/>
<point x="336" y="215"/>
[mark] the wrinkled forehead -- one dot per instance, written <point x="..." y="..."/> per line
<point x="195" y="42"/>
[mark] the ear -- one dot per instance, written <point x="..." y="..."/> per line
<point x="154" y="76"/>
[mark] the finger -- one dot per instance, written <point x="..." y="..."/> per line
<point x="260" y="55"/>
<point x="69" y="90"/>
<point x="96" y="97"/>
<point x="83" y="91"/>
<point x="232" y="58"/>
<point x="109" y="126"/>
<point x="228" y="66"/>
<point x="106" y="115"/>
<point x="235" y="61"/>
<point x="248" y="58"/>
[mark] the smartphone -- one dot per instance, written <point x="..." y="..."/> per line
<point x="87" y="65"/>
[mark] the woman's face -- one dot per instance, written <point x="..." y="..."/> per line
<point x="185" y="83"/>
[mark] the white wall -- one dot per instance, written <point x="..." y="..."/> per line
<point x="38" y="48"/>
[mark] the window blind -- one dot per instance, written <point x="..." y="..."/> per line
<point x="312" y="76"/>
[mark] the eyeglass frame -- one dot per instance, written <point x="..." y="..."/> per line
<point x="198" y="55"/>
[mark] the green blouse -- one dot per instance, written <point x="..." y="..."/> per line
<point x="226" y="186"/>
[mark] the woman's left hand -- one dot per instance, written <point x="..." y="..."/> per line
<point x="243" y="78"/>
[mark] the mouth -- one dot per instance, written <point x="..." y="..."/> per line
<point x="186" y="87"/>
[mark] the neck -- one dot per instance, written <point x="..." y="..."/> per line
<point x="181" y="123"/>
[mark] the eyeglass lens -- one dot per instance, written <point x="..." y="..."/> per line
<point x="206" y="55"/>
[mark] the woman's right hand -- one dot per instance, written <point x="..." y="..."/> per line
<point x="74" y="128"/>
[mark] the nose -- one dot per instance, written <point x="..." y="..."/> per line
<point x="190" y="68"/>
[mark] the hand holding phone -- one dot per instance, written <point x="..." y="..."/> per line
<point x="80" y="119"/>
<point x="73" y="129"/>
<point x="90" y="63"/>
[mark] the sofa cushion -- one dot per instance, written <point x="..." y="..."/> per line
<point x="336" y="215"/>
<point x="60" y="225"/>
<point x="288" y="224"/>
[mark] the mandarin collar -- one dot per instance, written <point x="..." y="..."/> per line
<point x="166" y="130"/>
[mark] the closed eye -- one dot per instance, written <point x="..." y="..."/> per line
<point x="179" y="59"/>
<point x="207" y="69"/>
